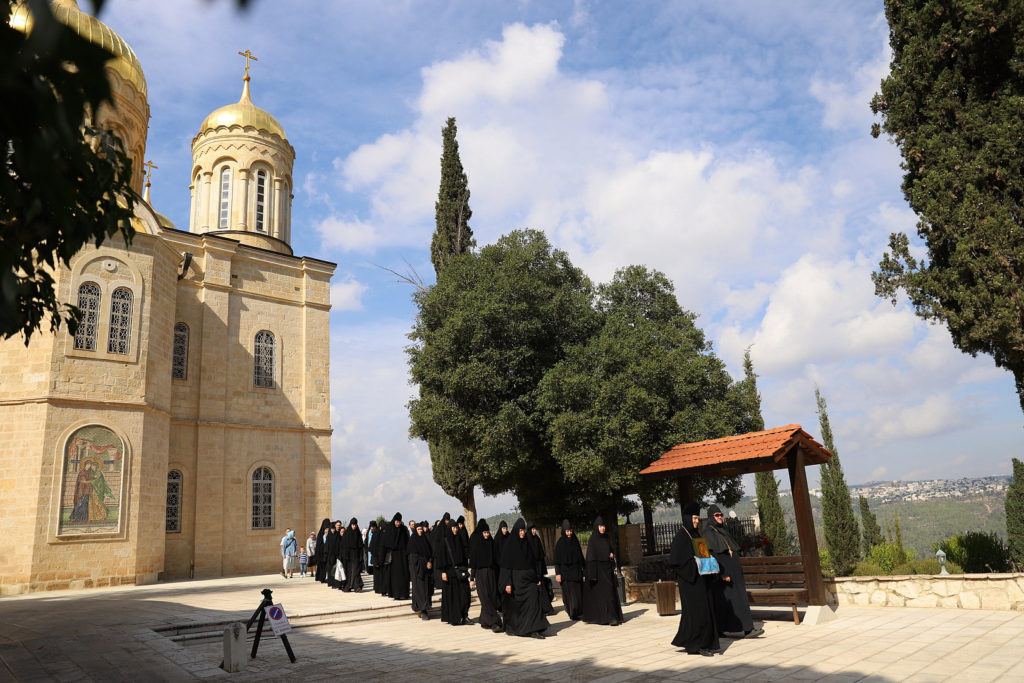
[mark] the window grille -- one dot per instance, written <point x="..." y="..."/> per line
<point x="119" y="339"/>
<point x="263" y="360"/>
<point x="262" y="498"/>
<point x="261" y="198"/>
<point x="89" y="305"/>
<point x="173" y="502"/>
<point x="225" y="198"/>
<point x="179" y="359"/>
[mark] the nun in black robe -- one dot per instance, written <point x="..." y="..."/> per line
<point x="541" y="563"/>
<point x="372" y="532"/>
<point x="461" y="521"/>
<point x="483" y="564"/>
<point x="521" y="587"/>
<point x="321" y="551"/>
<point x="352" y="557"/>
<point x="436" y="539"/>
<point x="334" y="553"/>
<point x="697" y="633"/>
<point x="729" y="592"/>
<point x="455" y="580"/>
<point x="600" y="597"/>
<point x="381" y="561"/>
<point x="421" y="556"/>
<point x="569" y="564"/>
<point x="396" y="544"/>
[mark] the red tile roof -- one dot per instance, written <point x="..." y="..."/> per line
<point x="751" y="452"/>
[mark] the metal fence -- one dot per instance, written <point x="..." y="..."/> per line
<point x="664" y="533"/>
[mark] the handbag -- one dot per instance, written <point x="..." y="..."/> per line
<point x="462" y="574"/>
<point x="707" y="566"/>
<point x="339" y="571"/>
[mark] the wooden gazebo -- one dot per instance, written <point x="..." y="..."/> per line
<point x="788" y="447"/>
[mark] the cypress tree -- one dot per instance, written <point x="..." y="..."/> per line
<point x="872" y="533"/>
<point x="896" y="531"/>
<point x="842" y="535"/>
<point x="1015" y="515"/>
<point x="452" y="234"/>
<point x="769" y="510"/>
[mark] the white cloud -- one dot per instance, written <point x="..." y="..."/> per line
<point x="347" y="295"/>
<point x="846" y="99"/>
<point x="938" y="414"/>
<point x="348" y="234"/>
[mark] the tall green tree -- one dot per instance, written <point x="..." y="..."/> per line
<point x="1015" y="515"/>
<point x="65" y="182"/>
<point x="486" y="333"/>
<point x="871" y="532"/>
<point x="452" y="467"/>
<point x="647" y="380"/>
<point x="951" y="103"/>
<point x="452" y="234"/>
<point x="842" y="535"/>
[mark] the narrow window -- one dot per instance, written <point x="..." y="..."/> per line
<point x="179" y="359"/>
<point x="263" y="360"/>
<point x="225" y="198"/>
<point x="119" y="340"/>
<point x="173" y="502"/>
<point x="89" y="305"/>
<point x="261" y="199"/>
<point x="262" y="498"/>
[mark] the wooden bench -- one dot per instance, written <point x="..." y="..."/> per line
<point x="776" y="581"/>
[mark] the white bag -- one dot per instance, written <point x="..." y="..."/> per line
<point x="339" y="571"/>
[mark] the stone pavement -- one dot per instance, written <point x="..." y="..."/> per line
<point x="126" y="634"/>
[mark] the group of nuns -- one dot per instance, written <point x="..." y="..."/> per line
<point x="507" y="570"/>
<point x="713" y="605"/>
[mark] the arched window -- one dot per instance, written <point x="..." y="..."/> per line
<point x="179" y="359"/>
<point x="263" y="360"/>
<point x="119" y="339"/>
<point x="225" y="198"/>
<point x="89" y="305"/>
<point x="262" y="498"/>
<point x="173" y="502"/>
<point x="261" y="200"/>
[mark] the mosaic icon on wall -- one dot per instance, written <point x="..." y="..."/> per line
<point x="90" y="500"/>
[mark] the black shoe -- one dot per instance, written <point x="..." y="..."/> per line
<point x="538" y="636"/>
<point x="497" y="629"/>
<point x="707" y="652"/>
<point x="754" y="633"/>
<point x="283" y="574"/>
<point x="424" y="616"/>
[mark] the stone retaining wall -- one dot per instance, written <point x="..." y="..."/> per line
<point x="954" y="591"/>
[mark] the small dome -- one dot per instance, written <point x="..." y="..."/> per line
<point x="125" y="63"/>
<point x="243" y="113"/>
<point x="164" y="221"/>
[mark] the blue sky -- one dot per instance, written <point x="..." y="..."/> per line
<point x="725" y="144"/>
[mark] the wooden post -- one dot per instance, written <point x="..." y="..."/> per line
<point x="805" y="527"/>
<point x="684" y="492"/>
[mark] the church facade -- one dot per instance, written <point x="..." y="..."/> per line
<point x="186" y="423"/>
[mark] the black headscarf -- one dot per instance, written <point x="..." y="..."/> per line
<point x="536" y="547"/>
<point x="455" y="548"/>
<point x="482" y="552"/>
<point x="717" y="534"/>
<point x="568" y="551"/>
<point x="515" y="554"/>
<point x="420" y="544"/>
<point x="598" y="549"/>
<point x="324" y="525"/>
<point x="682" y="544"/>
<point x="353" y="538"/>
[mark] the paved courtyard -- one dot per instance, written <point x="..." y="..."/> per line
<point x="168" y="632"/>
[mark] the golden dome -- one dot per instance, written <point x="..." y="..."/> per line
<point x="124" y="62"/>
<point x="243" y="113"/>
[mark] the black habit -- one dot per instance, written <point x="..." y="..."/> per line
<point x="521" y="587"/>
<point x="396" y="544"/>
<point x="454" y="566"/>
<point x="352" y="557"/>
<point x="697" y="630"/>
<point x="420" y="555"/>
<point x="381" y="570"/>
<point x="483" y="562"/>
<point x="569" y="565"/>
<point x="600" y="596"/>
<point x="321" y="552"/>
<point x="541" y="564"/>
<point x="732" y="608"/>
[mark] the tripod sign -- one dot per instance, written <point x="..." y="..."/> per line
<point x="278" y="619"/>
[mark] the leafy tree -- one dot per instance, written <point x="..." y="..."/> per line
<point x="452" y="468"/>
<point x="485" y="334"/>
<point x="1015" y="514"/>
<point x="871" y="532"/>
<point x="65" y="183"/>
<point x="452" y="234"/>
<point x="842" y="535"/>
<point x="951" y="103"/>
<point x="644" y="382"/>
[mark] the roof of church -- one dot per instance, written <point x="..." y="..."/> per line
<point x="243" y="113"/>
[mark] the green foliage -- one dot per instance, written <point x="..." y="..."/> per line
<point x="887" y="556"/>
<point x="773" y="524"/>
<point x="928" y="566"/>
<point x="951" y="103"/>
<point x="842" y="535"/>
<point x="866" y="568"/>
<point x="1014" y="507"/>
<point x="65" y="182"/>
<point x="871" y="533"/>
<point x="976" y="552"/>
<point x="452" y="234"/>
<point x="825" y="560"/>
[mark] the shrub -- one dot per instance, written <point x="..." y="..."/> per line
<point x="976" y="552"/>
<point x="887" y="556"/>
<point x="826" y="563"/>
<point x="927" y="566"/>
<point x="867" y="569"/>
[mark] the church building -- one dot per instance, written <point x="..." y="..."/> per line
<point x="186" y="424"/>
